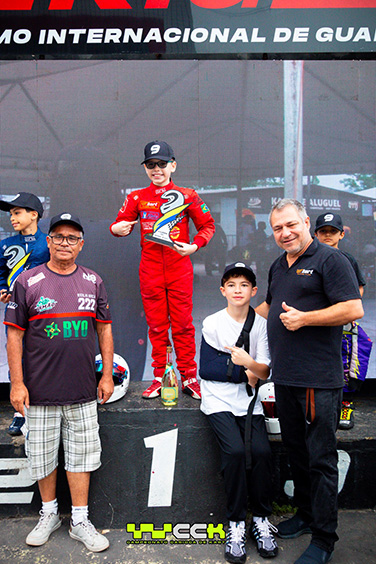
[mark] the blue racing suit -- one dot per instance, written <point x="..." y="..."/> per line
<point x="19" y="253"/>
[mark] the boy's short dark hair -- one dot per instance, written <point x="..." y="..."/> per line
<point x="237" y="269"/>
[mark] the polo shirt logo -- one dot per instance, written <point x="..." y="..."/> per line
<point x="304" y="272"/>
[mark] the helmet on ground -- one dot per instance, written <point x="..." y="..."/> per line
<point x="267" y="397"/>
<point x="120" y="374"/>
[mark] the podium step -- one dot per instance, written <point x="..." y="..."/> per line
<point x="161" y="465"/>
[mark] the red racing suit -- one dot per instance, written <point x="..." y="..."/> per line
<point x="166" y="278"/>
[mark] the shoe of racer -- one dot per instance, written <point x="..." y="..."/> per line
<point x="154" y="390"/>
<point x="346" y="420"/>
<point x="14" y="428"/>
<point x="191" y="387"/>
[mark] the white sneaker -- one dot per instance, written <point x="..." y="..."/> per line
<point x="88" y="534"/>
<point x="47" y="524"/>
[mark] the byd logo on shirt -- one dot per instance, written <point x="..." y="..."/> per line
<point x="75" y="329"/>
<point x="207" y="4"/>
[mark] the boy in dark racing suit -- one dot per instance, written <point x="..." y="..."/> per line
<point x="20" y="252"/>
<point x="166" y="272"/>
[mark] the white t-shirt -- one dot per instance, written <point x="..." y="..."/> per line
<point x="220" y="330"/>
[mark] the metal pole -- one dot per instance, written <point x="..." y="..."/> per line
<point x="243" y="149"/>
<point x="293" y="128"/>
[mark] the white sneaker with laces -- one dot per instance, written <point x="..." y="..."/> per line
<point x="47" y="524"/>
<point x="262" y="532"/>
<point x="88" y="534"/>
<point x="235" y="542"/>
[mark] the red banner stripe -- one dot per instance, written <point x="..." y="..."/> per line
<point x="322" y="4"/>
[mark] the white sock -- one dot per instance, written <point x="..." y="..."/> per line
<point x="234" y="523"/>
<point x="258" y="519"/>
<point x="79" y="514"/>
<point x="50" y="506"/>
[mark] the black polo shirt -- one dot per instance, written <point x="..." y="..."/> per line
<point x="311" y="356"/>
<point x="358" y="273"/>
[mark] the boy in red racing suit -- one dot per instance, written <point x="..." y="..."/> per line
<point x="166" y="272"/>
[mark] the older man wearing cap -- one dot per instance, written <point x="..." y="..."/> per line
<point x="57" y="309"/>
<point x="166" y="273"/>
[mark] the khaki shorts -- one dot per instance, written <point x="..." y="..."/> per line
<point x="77" y="425"/>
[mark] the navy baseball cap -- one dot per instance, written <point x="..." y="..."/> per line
<point x="238" y="267"/>
<point x="332" y="219"/>
<point x="23" y="200"/>
<point x="158" y="150"/>
<point x="65" y="218"/>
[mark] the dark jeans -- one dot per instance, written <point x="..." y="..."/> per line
<point x="257" y="483"/>
<point x="312" y="450"/>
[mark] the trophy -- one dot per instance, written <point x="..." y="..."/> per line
<point x="172" y="212"/>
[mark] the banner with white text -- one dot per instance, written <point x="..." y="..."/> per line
<point x="185" y="28"/>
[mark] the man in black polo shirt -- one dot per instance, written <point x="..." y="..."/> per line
<point x="312" y="293"/>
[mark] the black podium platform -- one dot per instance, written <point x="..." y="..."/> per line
<point x="161" y="466"/>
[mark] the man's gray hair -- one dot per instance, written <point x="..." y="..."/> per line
<point x="289" y="202"/>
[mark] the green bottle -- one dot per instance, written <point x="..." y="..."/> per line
<point x="169" y="388"/>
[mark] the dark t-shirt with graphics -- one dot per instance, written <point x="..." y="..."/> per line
<point x="59" y="314"/>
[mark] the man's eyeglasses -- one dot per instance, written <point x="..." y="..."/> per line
<point x="72" y="240"/>
<point x="160" y="164"/>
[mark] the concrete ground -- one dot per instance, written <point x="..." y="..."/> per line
<point x="356" y="530"/>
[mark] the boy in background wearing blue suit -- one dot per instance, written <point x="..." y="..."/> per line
<point x="20" y="252"/>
